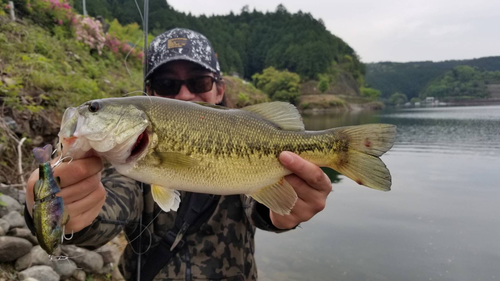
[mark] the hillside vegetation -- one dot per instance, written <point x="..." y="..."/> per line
<point x="47" y="67"/>
<point x="415" y="79"/>
<point x="462" y="83"/>
<point x="248" y="42"/>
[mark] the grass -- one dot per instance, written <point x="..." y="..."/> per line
<point x="43" y="73"/>
<point x="321" y="102"/>
<point x="241" y="93"/>
<point x="63" y="70"/>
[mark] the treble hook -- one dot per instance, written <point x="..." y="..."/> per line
<point x="61" y="160"/>
<point x="68" y="238"/>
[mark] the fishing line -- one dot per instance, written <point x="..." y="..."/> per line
<point x="139" y="9"/>
<point x="136" y="43"/>
<point x="133" y="92"/>
<point x="126" y="57"/>
<point x="139" y="235"/>
<point x="57" y="258"/>
<point x="132" y="247"/>
<point x="63" y="257"/>
<point x="145" y="69"/>
<point x="143" y="93"/>
<point x="146" y="226"/>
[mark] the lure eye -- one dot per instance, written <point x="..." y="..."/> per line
<point x="94" y="106"/>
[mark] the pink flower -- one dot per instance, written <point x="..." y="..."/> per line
<point x="60" y="22"/>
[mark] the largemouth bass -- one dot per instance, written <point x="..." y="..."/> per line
<point x="49" y="215"/>
<point x="177" y="145"/>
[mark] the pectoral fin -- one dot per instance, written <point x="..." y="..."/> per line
<point x="279" y="197"/>
<point x="168" y="199"/>
<point x="176" y="160"/>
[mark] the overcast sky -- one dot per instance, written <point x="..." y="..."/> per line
<point x="390" y="30"/>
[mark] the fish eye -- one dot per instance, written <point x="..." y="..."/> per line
<point x="94" y="106"/>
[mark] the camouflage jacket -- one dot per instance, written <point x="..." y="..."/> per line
<point x="222" y="249"/>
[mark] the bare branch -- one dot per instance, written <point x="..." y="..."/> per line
<point x="20" y="160"/>
<point x="12" y="185"/>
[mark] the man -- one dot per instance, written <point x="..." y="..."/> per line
<point x="209" y="237"/>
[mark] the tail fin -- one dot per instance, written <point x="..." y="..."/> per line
<point x="361" y="161"/>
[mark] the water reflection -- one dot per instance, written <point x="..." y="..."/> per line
<point x="439" y="222"/>
<point x="469" y="130"/>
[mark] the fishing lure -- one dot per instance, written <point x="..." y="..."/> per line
<point x="49" y="214"/>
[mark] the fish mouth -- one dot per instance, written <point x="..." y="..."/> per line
<point x="140" y="145"/>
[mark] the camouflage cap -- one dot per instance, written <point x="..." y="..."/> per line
<point x="181" y="44"/>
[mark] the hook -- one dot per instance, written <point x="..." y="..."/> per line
<point x="61" y="160"/>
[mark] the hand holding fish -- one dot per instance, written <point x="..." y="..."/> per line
<point x="312" y="186"/>
<point x="81" y="189"/>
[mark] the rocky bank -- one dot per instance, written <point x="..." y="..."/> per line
<point x="21" y="258"/>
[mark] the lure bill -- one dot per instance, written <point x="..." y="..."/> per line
<point x="49" y="215"/>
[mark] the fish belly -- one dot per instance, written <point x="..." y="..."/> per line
<point x="221" y="176"/>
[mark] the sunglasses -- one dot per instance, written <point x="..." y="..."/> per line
<point x="170" y="87"/>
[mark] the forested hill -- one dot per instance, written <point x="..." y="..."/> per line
<point x="248" y="42"/>
<point x="413" y="78"/>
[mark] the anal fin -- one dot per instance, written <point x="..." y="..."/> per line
<point x="168" y="199"/>
<point x="279" y="197"/>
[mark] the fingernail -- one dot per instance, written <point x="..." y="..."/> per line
<point x="286" y="157"/>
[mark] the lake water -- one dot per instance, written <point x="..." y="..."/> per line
<point x="440" y="221"/>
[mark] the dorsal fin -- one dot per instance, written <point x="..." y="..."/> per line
<point x="283" y="114"/>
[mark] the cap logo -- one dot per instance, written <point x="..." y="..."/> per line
<point x="176" y="43"/>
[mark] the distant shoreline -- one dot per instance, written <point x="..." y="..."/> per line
<point x="473" y="102"/>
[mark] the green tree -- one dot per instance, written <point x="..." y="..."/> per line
<point x="130" y="33"/>
<point x="324" y="83"/>
<point x="278" y="85"/>
<point x="398" y="99"/>
<point x="249" y="42"/>
<point x="370" y="93"/>
<point x="413" y="78"/>
<point x="462" y="82"/>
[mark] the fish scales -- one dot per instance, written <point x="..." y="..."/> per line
<point x="197" y="147"/>
<point x="236" y="149"/>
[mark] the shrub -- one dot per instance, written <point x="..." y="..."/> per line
<point x="243" y="99"/>
<point x="370" y="93"/>
<point x="90" y="32"/>
<point x="324" y="83"/>
<point x="278" y="85"/>
<point x="398" y="99"/>
<point x="51" y="13"/>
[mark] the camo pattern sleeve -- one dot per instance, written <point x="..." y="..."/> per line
<point x="123" y="206"/>
<point x="258" y="215"/>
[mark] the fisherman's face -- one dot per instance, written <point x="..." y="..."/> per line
<point x="183" y="70"/>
